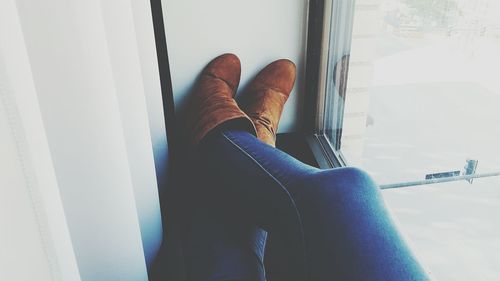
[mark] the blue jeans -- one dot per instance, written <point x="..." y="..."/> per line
<point x="332" y="223"/>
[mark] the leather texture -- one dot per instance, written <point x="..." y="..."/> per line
<point x="212" y="101"/>
<point x="266" y="96"/>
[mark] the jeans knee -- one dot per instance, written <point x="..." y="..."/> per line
<point x="333" y="182"/>
<point x="354" y="174"/>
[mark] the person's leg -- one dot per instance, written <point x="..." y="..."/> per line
<point x="224" y="246"/>
<point x="221" y="246"/>
<point x="336" y="215"/>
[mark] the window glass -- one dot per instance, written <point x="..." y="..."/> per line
<point x="420" y="102"/>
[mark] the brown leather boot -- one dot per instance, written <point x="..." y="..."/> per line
<point x="212" y="102"/>
<point x="266" y="96"/>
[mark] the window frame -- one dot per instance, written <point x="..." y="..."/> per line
<point x="329" y="40"/>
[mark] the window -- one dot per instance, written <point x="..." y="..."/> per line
<point x="409" y="90"/>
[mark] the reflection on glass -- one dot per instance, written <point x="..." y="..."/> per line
<point x="423" y="98"/>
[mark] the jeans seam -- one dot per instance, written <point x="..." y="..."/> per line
<point x="275" y="174"/>
<point x="263" y="169"/>
<point x="280" y="184"/>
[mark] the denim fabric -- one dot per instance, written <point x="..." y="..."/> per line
<point x="333" y="223"/>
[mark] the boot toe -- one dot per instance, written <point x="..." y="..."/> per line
<point x="279" y="75"/>
<point x="226" y="67"/>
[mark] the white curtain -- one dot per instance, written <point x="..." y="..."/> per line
<point x="80" y="113"/>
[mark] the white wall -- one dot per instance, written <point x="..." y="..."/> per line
<point x="258" y="31"/>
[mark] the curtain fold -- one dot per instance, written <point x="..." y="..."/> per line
<point x="76" y="80"/>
